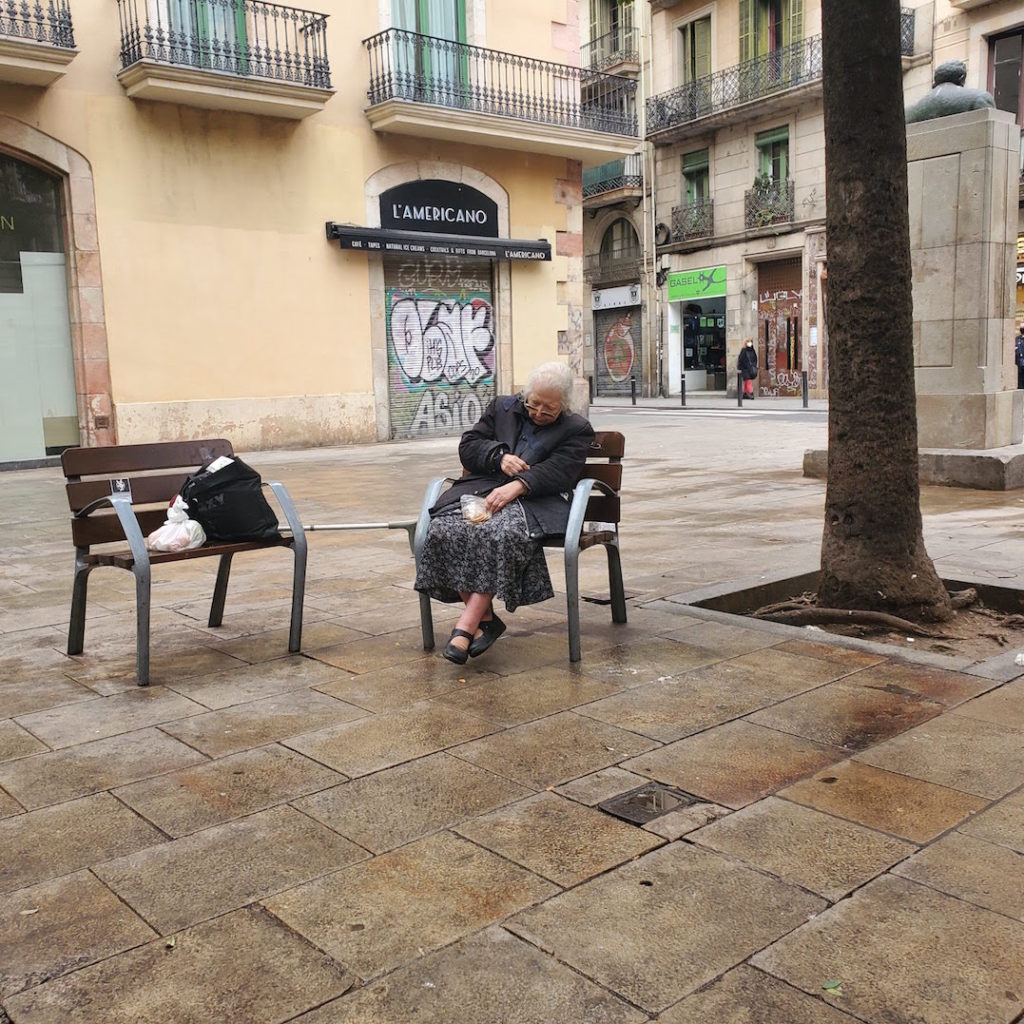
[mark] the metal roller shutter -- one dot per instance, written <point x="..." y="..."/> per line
<point x="441" y="351"/>
<point x="617" y="350"/>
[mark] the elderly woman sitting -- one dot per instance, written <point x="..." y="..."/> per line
<point x="523" y="458"/>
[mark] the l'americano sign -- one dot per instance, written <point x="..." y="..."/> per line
<point x="434" y="205"/>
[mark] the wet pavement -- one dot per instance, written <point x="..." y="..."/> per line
<point x="366" y="833"/>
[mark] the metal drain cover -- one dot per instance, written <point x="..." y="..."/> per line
<point x="645" y="803"/>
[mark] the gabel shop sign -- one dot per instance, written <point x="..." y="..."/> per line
<point x="439" y="207"/>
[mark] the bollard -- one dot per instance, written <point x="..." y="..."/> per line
<point x="803" y="384"/>
<point x="632" y="389"/>
<point x="590" y="388"/>
<point x="682" y="391"/>
<point x="739" y="390"/>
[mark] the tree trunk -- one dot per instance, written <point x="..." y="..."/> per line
<point x="872" y="553"/>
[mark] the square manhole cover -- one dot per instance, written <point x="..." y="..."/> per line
<point x="647" y="802"/>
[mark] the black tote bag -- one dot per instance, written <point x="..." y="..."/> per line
<point x="229" y="504"/>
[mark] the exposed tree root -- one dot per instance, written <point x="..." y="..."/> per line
<point x="828" y="616"/>
<point x="806" y="600"/>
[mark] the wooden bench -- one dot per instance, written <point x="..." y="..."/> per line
<point x="103" y="514"/>
<point x="603" y="474"/>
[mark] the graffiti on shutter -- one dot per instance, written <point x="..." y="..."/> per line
<point x="779" y="316"/>
<point x="440" y="329"/>
<point x="617" y="349"/>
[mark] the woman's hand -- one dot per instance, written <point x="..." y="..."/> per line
<point x="512" y="464"/>
<point x="501" y="496"/>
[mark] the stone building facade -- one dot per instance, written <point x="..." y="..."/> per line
<point x="288" y="227"/>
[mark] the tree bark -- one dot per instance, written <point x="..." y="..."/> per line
<point x="872" y="554"/>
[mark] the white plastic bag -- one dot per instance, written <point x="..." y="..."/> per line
<point x="179" y="533"/>
<point x="474" y="508"/>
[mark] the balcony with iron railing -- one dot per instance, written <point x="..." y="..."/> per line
<point x="767" y="205"/>
<point x="37" y="41"/>
<point x="773" y="81"/>
<point x="693" y="221"/>
<point x="617" y="51"/>
<point x="613" y="182"/>
<point x="437" y="88"/>
<point x="262" y="58"/>
<point x="615" y="265"/>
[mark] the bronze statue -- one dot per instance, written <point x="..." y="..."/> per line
<point x="948" y="95"/>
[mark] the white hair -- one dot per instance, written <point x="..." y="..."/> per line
<point x="554" y="376"/>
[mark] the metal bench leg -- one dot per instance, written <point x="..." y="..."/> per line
<point x="572" y="596"/>
<point x="142" y="589"/>
<point x="615" y="586"/>
<point x="220" y="591"/>
<point x="79" y="592"/>
<point x="426" y="622"/>
<point x="298" y="594"/>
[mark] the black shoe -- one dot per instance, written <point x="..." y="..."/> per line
<point x="458" y="655"/>
<point x="490" y="631"/>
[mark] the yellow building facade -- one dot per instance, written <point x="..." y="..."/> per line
<point x="221" y="217"/>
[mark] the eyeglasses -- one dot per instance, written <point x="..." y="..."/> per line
<point x="542" y="410"/>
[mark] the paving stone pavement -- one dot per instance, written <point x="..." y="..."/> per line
<point x="366" y="833"/>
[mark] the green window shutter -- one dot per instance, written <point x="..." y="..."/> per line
<point x="762" y="27"/>
<point x="746" y="30"/>
<point x="702" y="48"/>
<point x="793" y="22"/>
<point x="687" y="32"/>
<point x="696" y="161"/>
<point x="766" y="138"/>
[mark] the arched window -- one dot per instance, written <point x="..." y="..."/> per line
<point x="620" y="242"/>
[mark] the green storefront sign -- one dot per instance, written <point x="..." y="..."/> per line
<point x="707" y="283"/>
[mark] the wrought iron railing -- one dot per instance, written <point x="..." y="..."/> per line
<point x="785" y="68"/>
<point x="627" y="173"/>
<point x="907" y="31"/>
<point x="693" y="220"/>
<point x="424" y="69"/>
<point x="50" y="24"/>
<point x="613" y="265"/>
<point x="620" y="46"/>
<point x="239" y="37"/>
<point x="764" y="205"/>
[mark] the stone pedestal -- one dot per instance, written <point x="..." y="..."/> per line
<point x="963" y="175"/>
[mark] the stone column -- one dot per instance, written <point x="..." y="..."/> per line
<point x="963" y="175"/>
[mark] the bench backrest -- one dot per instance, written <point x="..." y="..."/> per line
<point x="607" y="445"/>
<point x="155" y="473"/>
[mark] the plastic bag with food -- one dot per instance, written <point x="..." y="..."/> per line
<point x="474" y="509"/>
<point x="179" y="533"/>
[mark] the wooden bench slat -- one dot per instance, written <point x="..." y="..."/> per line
<point x="125" y="560"/>
<point x="122" y="460"/>
<point x="105" y="527"/>
<point x="146" y="490"/>
<point x="611" y="444"/>
<point x="603" y="509"/>
<point x="609" y="473"/>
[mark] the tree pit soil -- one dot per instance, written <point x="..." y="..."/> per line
<point x="975" y="632"/>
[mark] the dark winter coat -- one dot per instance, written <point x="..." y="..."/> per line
<point x="746" y="362"/>
<point x="1018" y="350"/>
<point x="559" y="453"/>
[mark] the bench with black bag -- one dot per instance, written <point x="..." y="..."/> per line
<point x="121" y="493"/>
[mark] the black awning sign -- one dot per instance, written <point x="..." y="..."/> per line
<point x="437" y="206"/>
<point x="384" y="242"/>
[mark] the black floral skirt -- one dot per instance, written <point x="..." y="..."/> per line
<point x="496" y="557"/>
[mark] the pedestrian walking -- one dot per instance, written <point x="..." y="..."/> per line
<point x="1018" y="355"/>
<point x="746" y="364"/>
